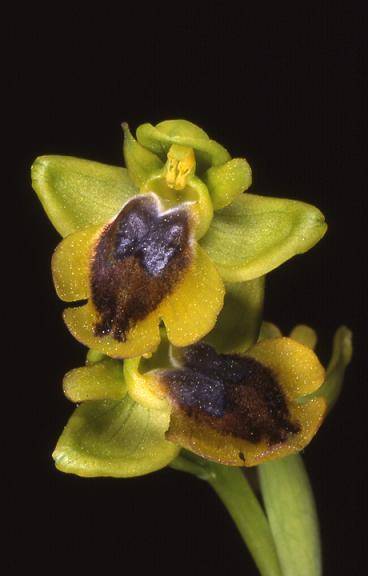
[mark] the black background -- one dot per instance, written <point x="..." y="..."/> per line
<point x="283" y="88"/>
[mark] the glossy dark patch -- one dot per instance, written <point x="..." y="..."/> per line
<point x="236" y="395"/>
<point x="138" y="260"/>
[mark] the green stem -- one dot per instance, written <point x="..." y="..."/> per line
<point x="192" y="465"/>
<point x="292" y="515"/>
<point x="235" y="492"/>
<point x="240" y="501"/>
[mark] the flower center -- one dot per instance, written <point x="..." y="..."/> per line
<point x="233" y="394"/>
<point x="180" y="165"/>
<point x="138" y="260"/>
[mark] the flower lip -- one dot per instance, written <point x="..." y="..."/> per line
<point x="235" y="395"/>
<point x="137" y="261"/>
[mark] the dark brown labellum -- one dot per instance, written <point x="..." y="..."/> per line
<point x="233" y="394"/>
<point x="138" y="260"/>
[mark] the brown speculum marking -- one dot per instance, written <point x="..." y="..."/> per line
<point x="236" y="395"/>
<point x="138" y="260"/>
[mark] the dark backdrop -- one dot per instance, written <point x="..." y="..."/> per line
<point x="285" y="89"/>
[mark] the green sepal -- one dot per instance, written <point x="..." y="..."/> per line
<point x="342" y="351"/>
<point x="255" y="234"/>
<point x="304" y="335"/>
<point x="159" y="138"/>
<point x="238" y="324"/>
<point x="102" y="380"/>
<point x="140" y="161"/>
<point x="114" y="438"/>
<point x="292" y="516"/>
<point x="94" y="356"/>
<point x="226" y="182"/>
<point x="77" y="193"/>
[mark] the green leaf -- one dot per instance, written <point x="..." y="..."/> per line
<point x="304" y="335"/>
<point x="227" y="181"/>
<point x="159" y="138"/>
<point x="255" y="234"/>
<point x="238" y="324"/>
<point x="140" y="162"/>
<point x="103" y="380"/>
<point x="114" y="438"/>
<point x="77" y="193"/>
<point x="291" y="512"/>
<point x="342" y="352"/>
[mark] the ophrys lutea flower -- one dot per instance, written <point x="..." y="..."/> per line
<point x="142" y="268"/>
<point x="164" y="265"/>
<point x="236" y="409"/>
<point x="163" y="242"/>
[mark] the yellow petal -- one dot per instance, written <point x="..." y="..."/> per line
<point x="101" y="381"/>
<point x="143" y="337"/>
<point x="244" y="410"/>
<point x="211" y="444"/>
<point x="132" y="288"/>
<point x="190" y="312"/>
<point x="71" y="262"/>
<point x="295" y="366"/>
<point x="142" y="387"/>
